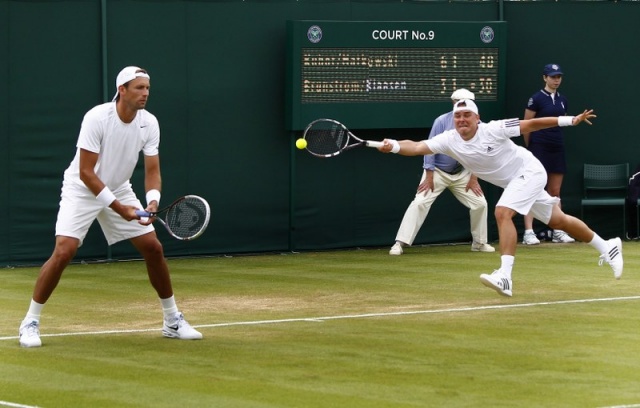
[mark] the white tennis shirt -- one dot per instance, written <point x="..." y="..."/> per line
<point x="118" y="144"/>
<point x="490" y="154"/>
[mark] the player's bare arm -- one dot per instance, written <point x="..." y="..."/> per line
<point x="531" y="125"/>
<point x="152" y="179"/>
<point x="405" y="147"/>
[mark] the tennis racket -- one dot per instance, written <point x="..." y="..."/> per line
<point x="328" y="138"/>
<point x="185" y="219"/>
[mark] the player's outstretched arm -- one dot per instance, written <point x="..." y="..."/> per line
<point x="531" y="125"/>
<point x="405" y="147"/>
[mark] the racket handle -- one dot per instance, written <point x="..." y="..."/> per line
<point x="371" y="143"/>
<point x="143" y="213"/>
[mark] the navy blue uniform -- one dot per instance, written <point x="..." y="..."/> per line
<point x="548" y="144"/>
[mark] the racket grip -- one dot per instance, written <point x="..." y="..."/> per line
<point x="143" y="213"/>
<point x="371" y="143"/>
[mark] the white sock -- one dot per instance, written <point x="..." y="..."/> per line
<point x="506" y="265"/>
<point x="169" y="307"/>
<point x="599" y="244"/>
<point x="35" y="309"/>
<point x="528" y="231"/>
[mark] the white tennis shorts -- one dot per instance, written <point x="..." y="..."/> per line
<point x="79" y="208"/>
<point x="526" y="193"/>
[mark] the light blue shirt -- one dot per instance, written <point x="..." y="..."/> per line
<point x="442" y="123"/>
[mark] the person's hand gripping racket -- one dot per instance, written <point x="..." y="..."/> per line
<point x="185" y="219"/>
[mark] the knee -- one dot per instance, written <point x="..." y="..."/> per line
<point x="554" y="191"/>
<point x="559" y="221"/>
<point x="479" y="204"/>
<point x="503" y="214"/>
<point x="65" y="251"/>
<point x="152" y="248"/>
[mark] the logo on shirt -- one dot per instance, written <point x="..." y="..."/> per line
<point x="489" y="149"/>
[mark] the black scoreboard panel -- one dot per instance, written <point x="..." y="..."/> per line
<point x="391" y="74"/>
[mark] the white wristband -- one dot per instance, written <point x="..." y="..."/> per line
<point x="395" y="146"/>
<point x="106" y="197"/>
<point x="565" y="120"/>
<point x="153" y="195"/>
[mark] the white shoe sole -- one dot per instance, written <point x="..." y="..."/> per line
<point x="487" y="280"/>
<point x="618" y="244"/>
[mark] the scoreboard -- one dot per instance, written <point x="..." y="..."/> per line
<point x="391" y="74"/>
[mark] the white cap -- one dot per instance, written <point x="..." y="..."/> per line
<point x="462" y="93"/>
<point x="127" y="74"/>
<point x="465" y="105"/>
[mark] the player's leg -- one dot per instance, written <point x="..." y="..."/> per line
<point x="574" y="226"/>
<point x="48" y="279"/>
<point x="152" y="252"/>
<point x="517" y="198"/>
<point x="500" y="280"/>
<point x="507" y="233"/>
<point x="174" y="323"/>
<point x="145" y="240"/>
<point x="78" y="209"/>
<point x="610" y="250"/>
<point x="51" y="271"/>
<point x="143" y="237"/>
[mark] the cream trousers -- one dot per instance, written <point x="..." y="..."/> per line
<point x="418" y="210"/>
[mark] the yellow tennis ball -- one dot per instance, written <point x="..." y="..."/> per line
<point x="301" y="144"/>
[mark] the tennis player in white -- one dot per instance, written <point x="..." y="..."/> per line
<point x="96" y="186"/>
<point x="488" y="151"/>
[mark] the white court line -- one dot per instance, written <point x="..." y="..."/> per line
<point x="624" y="406"/>
<point x="355" y="316"/>
<point x="13" y="404"/>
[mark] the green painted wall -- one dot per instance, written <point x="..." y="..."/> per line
<point x="217" y="71"/>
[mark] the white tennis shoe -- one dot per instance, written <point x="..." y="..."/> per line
<point x="178" y="328"/>
<point x="561" y="237"/>
<point x="477" y="247"/>
<point x="613" y="257"/>
<point x="396" y="249"/>
<point x="498" y="282"/>
<point x="30" y="333"/>
<point x="529" y="238"/>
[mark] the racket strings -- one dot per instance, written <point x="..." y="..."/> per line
<point x="187" y="218"/>
<point x="326" y="138"/>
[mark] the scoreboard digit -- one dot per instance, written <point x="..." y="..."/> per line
<point x="391" y="74"/>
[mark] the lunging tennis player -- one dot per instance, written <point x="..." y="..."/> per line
<point x="488" y="151"/>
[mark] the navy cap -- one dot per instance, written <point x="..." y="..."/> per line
<point x="552" y="70"/>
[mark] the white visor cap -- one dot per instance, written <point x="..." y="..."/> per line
<point x="127" y="74"/>
<point x="465" y="105"/>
